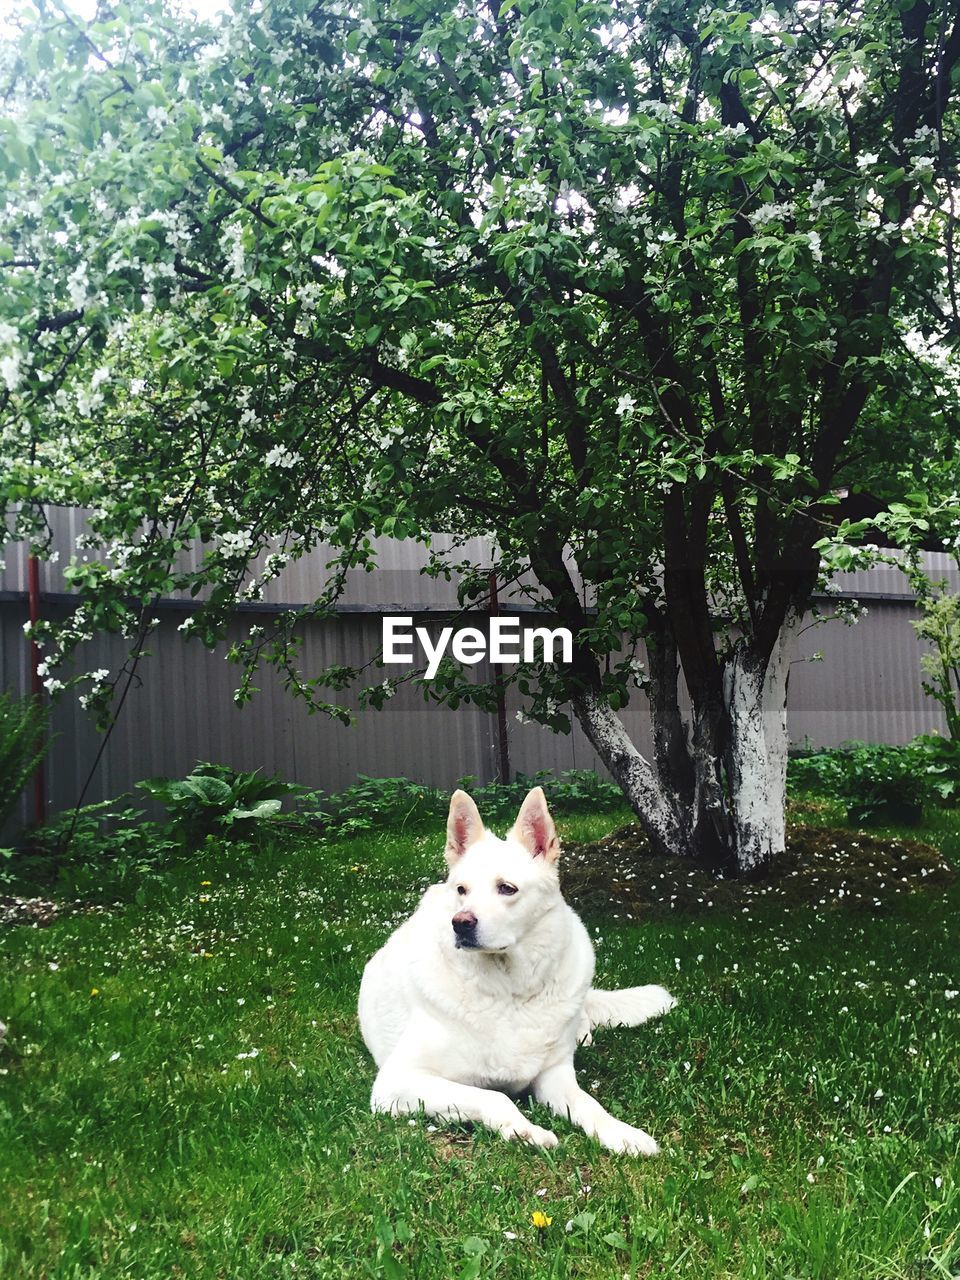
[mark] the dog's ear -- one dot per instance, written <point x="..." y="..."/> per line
<point x="534" y="827"/>
<point x="464" y="826"/>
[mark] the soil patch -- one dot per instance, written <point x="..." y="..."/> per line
<point x="824" y="868"/>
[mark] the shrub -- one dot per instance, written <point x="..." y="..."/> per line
<point x="103" y="849"/>
<point x="575" y="791"/>
<point x="877" y="783"/>
<point x="372" y="803"/>
<point x="23" y="744"/>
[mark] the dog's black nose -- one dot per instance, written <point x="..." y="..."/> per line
<point x="464" y="923"/>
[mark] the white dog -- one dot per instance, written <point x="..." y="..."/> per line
<point x="485" y="991"/>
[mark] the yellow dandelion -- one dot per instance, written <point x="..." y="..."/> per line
<point x="208" y="955"/>
<point x="540" y="1220"/>
<point x="354" y="868"/>
<point x="95" y="991"/>
<point x="205" y="883"/>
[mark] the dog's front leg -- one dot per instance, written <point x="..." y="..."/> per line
<point x="557" y="1087"/>
<point x="403" y="1089"/>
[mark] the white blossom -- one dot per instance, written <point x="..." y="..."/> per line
<point x="770" y="213"/>
<point x="231" y="242"/>
<point x="280" y="456"/>
<point x="10" y="370"/>
<point x="236" y="543"/>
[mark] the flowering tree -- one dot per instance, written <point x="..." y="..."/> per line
<point x="623" y="284"/>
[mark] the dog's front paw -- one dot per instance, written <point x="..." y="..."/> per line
<point x="524" y="1131"/>
<point x="627" y="1140"/>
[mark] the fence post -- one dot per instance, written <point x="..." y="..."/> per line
<point x="503" y="743"/>
<point x="36" y="684"/>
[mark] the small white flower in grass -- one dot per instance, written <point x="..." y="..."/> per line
<point x="951" y="995"/>
<point x="509" y="1235"/>
<point x="811" y="1178"/>
<point x="115" y="1055"/>
<point x="626" y="404"/>
<point x="879" y="1093"/>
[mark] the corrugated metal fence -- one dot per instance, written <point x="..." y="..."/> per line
<point x="867" y="684"/>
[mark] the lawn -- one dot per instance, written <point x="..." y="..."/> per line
<point x="183" y="1090"/>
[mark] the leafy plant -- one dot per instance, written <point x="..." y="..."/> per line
<point x="23" y="744"/>
<point x="216" y="798"/>
<point x="942" y="764"/>
<point x="940" y="625"/>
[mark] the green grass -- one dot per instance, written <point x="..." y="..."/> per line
<point x="205" y="1113"/>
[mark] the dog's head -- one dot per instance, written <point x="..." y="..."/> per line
<point x="499" y="889"/>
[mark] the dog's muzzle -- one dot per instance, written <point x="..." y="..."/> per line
<point x="465" y="929"/>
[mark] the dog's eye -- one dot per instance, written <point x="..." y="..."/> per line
<point x="507" y="889"/>
<point x="461" y="889"/>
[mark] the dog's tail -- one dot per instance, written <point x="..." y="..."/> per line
<point x="627" y="1007"/>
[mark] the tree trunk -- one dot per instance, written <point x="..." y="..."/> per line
<point x="755" y="693"/>
<point x="657" y="808"/>
<point x="721" y="800"/>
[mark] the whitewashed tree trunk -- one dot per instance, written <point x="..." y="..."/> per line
<point x="657" y="810"/>
<point x="756" y="702"/>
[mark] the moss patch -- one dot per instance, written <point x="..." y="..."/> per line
<point x="824" y="868"/>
